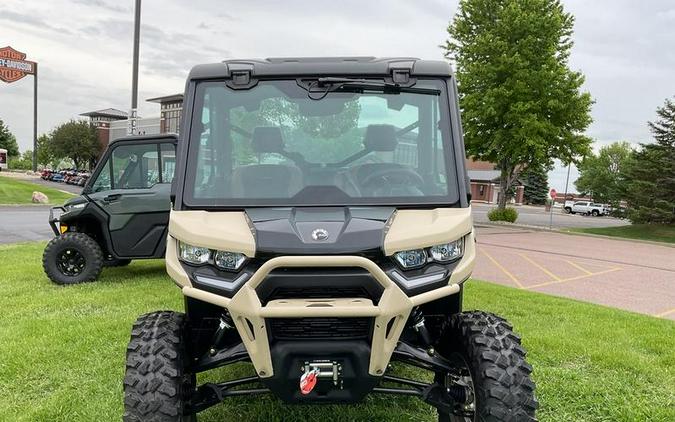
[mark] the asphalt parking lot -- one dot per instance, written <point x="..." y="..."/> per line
<point x="537" y="216"/>
<point x="635" y="276"/>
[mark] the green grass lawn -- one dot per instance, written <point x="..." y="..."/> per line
<point x="13" y="191"/>
<point x="654" y="232"/>
<point x="62" y="352"/>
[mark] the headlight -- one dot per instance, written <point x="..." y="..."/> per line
<point x="447" y="251"/>
<point x="229" y="260"/>
<point x="69" y="208"/>
<point x="193" y="254"/>
<point x="411" y="259"/>
<point x="442" y="253"/>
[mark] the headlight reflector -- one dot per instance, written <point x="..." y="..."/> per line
<point x="448" y="251"/>
<point x="193" y="254"/>
<point x="229" y="260"/>
<point x="414" y="258"/>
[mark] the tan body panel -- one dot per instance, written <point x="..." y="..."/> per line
<point x="409" y="229"/>
<point x="226" y="231"/>
<point x="413" y="229"/>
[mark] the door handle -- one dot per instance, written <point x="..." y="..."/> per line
<point x="113" y="197"/>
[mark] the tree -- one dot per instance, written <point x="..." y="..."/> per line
<point x="650" y="191"/>
<point x="536" y="185"/>
<point x="24" y="162"/>
<point x="8" y="141"/>
<point x="45" y="152"/>
<point x="76" y="140"/>
<point x="603" y="175"/>
<point x="521" y="104"/>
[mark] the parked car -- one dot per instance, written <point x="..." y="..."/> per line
<point x="589" y="208"/>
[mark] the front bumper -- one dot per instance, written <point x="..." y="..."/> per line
<point x="54" y="219"/>
<point x="390" y="313"/>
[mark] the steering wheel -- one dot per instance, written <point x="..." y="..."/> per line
<point x="396" y="176"/>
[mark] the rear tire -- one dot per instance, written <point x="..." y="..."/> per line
<point x="157" y="383"/>
<point x="72" y="258"/>
<point x="500" y="374"/>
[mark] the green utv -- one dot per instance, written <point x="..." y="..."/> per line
<point x="122" y="213"/>
<point x="321" y="230"/>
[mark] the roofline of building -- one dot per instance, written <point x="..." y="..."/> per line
<point x="166" y="98"/>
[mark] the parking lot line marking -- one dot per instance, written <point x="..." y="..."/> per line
<point x="579" y="267"/>
<point x="579" y="277"/>
<point x="504" y="270"/>
<point x="662" y="314"/>
<point x="550" y="274"/>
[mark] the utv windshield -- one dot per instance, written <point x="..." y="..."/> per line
<point x="292" y="143"/>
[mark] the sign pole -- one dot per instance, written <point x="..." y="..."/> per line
<point x="134" y="76"/>
<point x="35" y="117"/>
<point x="552" y="194"/>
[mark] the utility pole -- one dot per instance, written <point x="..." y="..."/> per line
<point x="569" y="166"/>
<point x="133" y="115"/>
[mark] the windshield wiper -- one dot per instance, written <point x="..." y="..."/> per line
<point x="332" y="84"/>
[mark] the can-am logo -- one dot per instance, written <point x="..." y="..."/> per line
<point x="320" y="234"/>
<point x="13" y="65"/>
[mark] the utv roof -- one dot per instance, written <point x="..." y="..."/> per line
<point x="321" y="66"/>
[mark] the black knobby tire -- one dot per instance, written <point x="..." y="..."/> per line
<point x="156" y="383"/>
<point x="503" y="388"/>
<point x="85" y="264"/>
<point x="112" y="262"/>
<point x="595" y="213"/>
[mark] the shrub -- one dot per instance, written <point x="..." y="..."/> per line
<point x="507" y="214"/>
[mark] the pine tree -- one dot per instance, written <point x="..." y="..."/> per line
<point x="536" y="185"/>
<point x="650" y="192"/>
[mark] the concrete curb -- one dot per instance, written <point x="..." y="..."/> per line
<point x="570" y="233"/>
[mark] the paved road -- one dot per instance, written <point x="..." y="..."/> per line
<point x="536" y="216"/>
<point x="24" y="223"/>
<point x="635" y="276"/>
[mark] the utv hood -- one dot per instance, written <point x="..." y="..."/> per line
<point x="319" y="231"/>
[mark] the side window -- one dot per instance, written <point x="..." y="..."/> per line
<point x="135" y="166"/>
<point x="168" y="152"/>
<point x="102" y="182"/>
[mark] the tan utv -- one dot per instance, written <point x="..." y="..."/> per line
<point x="321" y="230"/>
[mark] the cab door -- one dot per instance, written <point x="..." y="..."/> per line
<point x="133" y="189"/>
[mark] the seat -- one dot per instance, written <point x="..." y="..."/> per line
<point x="266" y="180"/>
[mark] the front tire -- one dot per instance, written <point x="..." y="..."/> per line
<point x="499" y="372"/>
<point x="595" y="213"/>
<point x="72" y="258"/>
<point x="157" y="383"/>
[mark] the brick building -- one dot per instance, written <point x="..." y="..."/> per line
<point x="485" y="182"/>
<point x="102" y="119"/>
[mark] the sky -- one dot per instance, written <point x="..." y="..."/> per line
<point x="625" y="48"/>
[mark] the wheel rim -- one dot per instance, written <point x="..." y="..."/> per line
<point x="463" y="412"/>
<point x="70" y="262"/>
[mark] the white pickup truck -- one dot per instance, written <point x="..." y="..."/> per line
<point x="586" y="208"/>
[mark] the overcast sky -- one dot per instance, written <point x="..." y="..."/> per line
<point x="626" y="49"/>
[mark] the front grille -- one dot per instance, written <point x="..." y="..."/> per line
<point x="319" y="292"/>
<point x="320" y="328"/>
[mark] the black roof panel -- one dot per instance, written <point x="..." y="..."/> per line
<point x="315" y="66"/>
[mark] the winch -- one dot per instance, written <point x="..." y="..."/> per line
<point x="312" y="371"/>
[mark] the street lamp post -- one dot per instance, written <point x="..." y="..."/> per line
<point x="133" y="115"/>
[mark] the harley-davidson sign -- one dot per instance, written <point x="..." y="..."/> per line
<point x="13" y="65"/>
